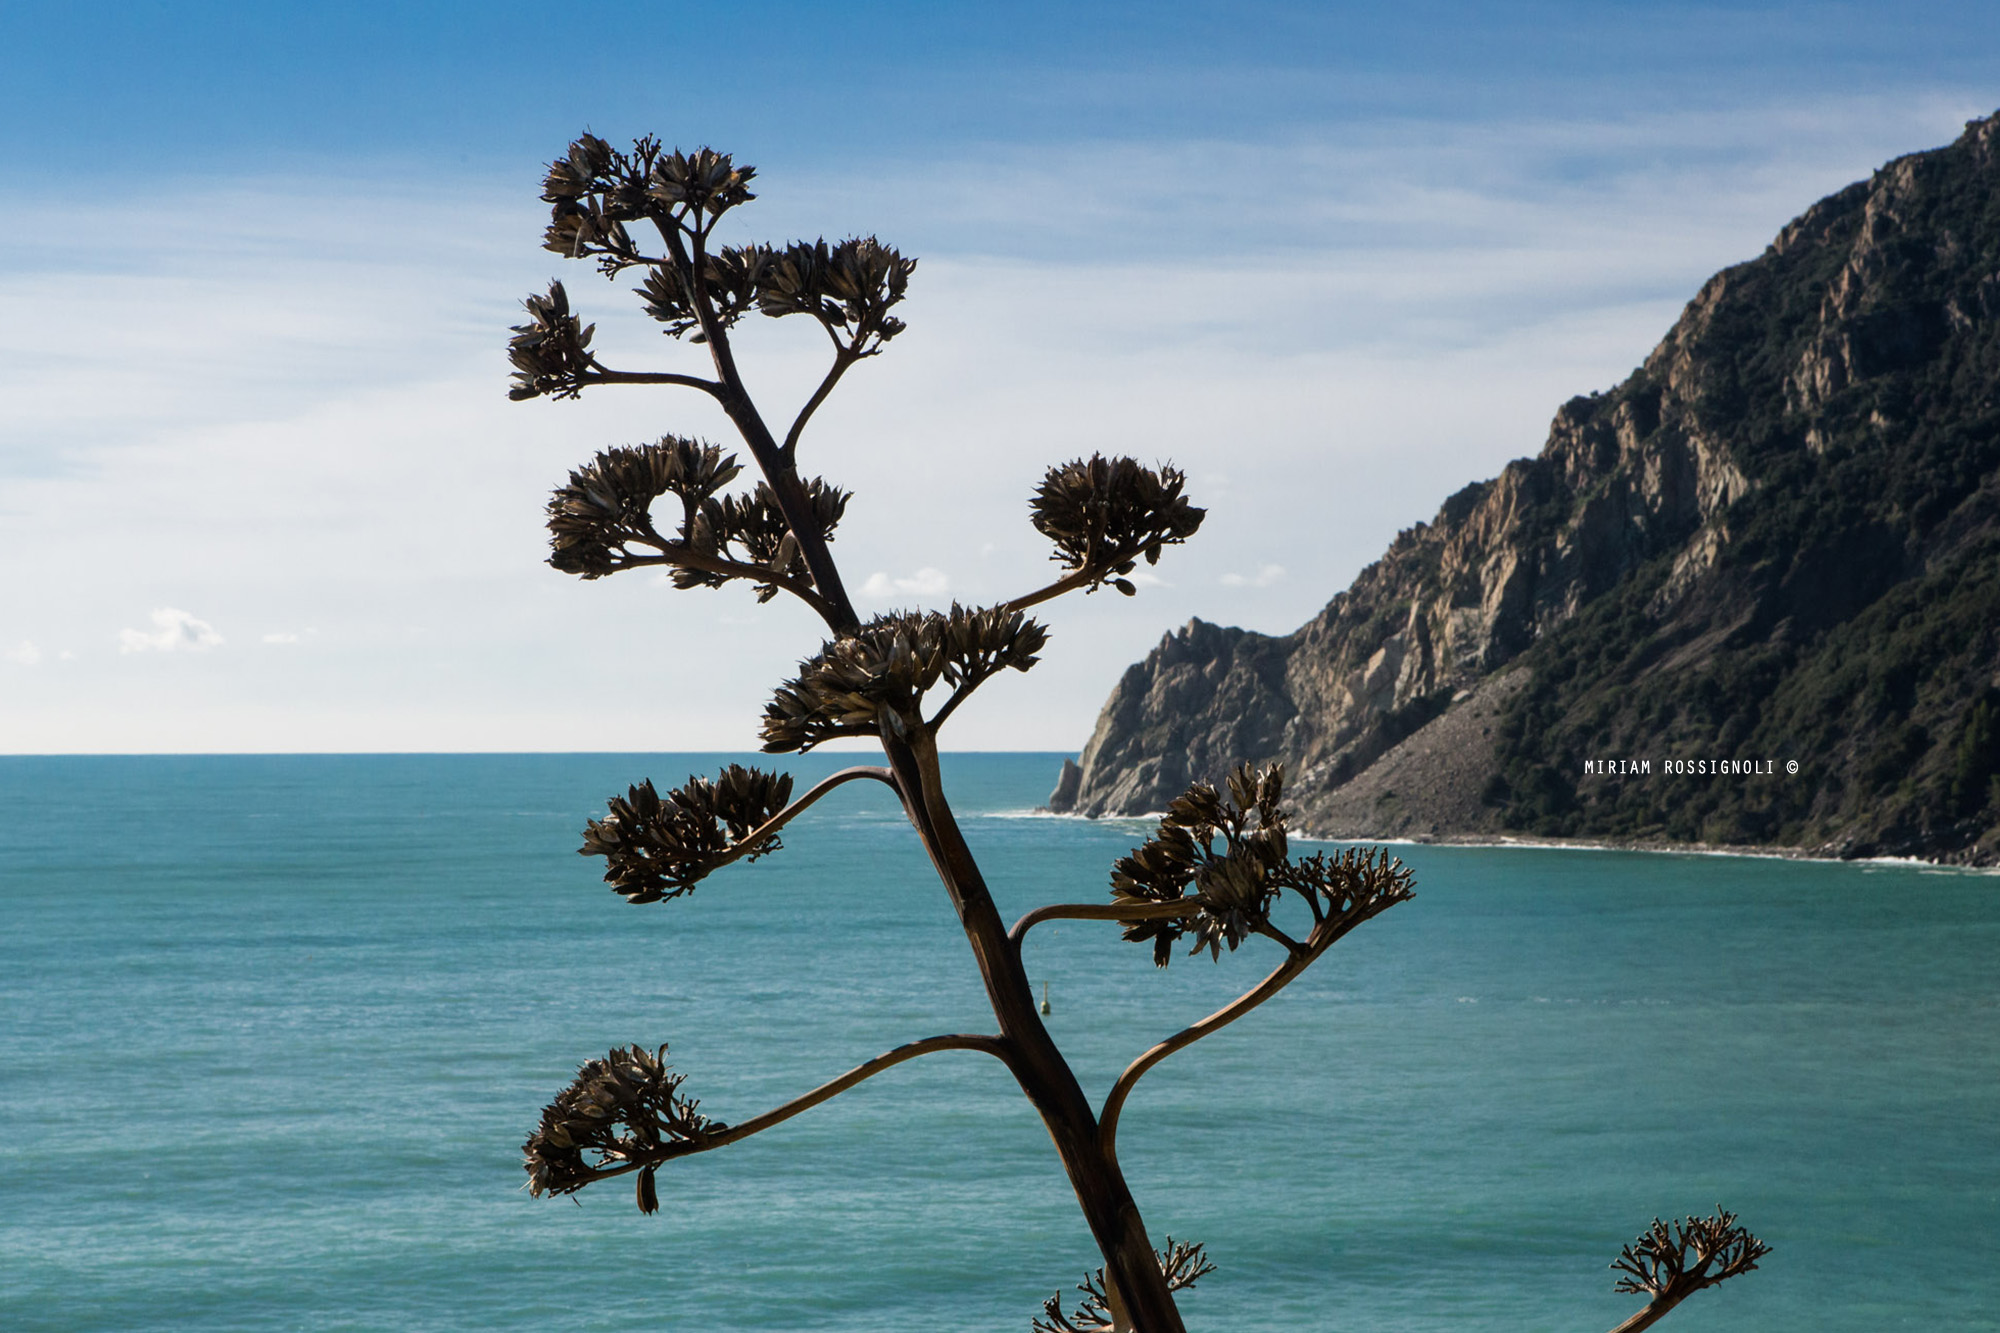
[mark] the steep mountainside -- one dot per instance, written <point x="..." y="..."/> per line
<point x="1778" y="540"/>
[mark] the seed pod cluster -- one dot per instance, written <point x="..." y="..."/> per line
<point x="1239" y="880"/>
<point x="704" y="181"/>
<point x="606" y="507"/>
<point x="551" y="352"/>
<point x="730" y="278"/>
<point x="593" y="190"/>
<point x="888" y="664"/>
<point x="849" y="287"/>
<point x="751" y="530"/>
<point x="658" y="847"/>
<point x="1106" y="514"/>
<point x="601" y="521"/>
<point x="621" y="1109"/>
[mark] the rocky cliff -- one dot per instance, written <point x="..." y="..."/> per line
<point x="1778" y="540"/>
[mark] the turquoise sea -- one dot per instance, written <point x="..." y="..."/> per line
<point x="273" y="1028"/>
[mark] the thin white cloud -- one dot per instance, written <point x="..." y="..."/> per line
<point x="1398" y="182"/>
<point x="174" y="631"/>
<point x="1399" y="315"/>
<point x="27" y="654"/>
<point x="281" y="636"/>
<point x="926" y="582"/>
<point x="1265" y="577"/>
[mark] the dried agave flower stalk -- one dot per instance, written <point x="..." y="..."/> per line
<point x="1219" y="873"/>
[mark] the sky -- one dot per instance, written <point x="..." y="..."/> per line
<point x="261" y="488"/>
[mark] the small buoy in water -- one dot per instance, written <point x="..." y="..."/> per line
<point x="1045" y="997"/>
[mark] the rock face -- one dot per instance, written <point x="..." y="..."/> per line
<point x="1778" y="539"/>
<point x="1205" y="697"/>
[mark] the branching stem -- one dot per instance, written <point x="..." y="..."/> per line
<point x="1093" y="573"/>
<point x="842" y="359"/>
<point x="1134" y="1283"/>
<point x="675" y="554"/>
<point x="1290" y="945"/>
<point x="819" y="789"/>
<point x="1067" y="583"/>
<point x="603" y="375"/>
<point x="722" y="1138"/>
<point x="1283" y="976"/>
<point x="1100" y="912"/>
<point x="1654" y="1312"/>
<point x="748" y="843"/>
<point x="779" y="472"/>
<point x="958" y="696"/>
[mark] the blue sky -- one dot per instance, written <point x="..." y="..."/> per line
<point x="260" y="488"/>
<point x="189" y="86"/>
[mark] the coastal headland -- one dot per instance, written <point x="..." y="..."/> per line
<point x="1748" y="599"/>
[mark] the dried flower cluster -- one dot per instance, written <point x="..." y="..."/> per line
<point x="631" y="1088"/>
<point x="1238" y="882"/>
<point x="888" y="664"/>
<point x="602" y="520"/>
<point x="730" y="278"/>
<point x="1183" y="1264"/>
<point x="658" y="847"/>
<point x="551" y="352"/>
<point x="751" y="529"/>
<point x="595" y="190"/>
<point x="1671" y="1261"/>
<point x="848" y="287"/>
<point x="1106" y="514"/>
<point x="606" y="508"/>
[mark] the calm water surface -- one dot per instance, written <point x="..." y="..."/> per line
<point x="272" y="1030"/>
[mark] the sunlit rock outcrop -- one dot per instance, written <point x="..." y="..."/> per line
<point x="1778" y="539"/>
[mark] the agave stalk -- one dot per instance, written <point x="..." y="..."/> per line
<point x="1215" y="872"/>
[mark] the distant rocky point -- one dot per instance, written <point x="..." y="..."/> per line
<point x="1776" y="543"/>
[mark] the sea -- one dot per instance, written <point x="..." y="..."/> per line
<point x="273" y="1028"/>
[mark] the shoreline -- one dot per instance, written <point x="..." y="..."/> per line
<point x="1988" y="866"/>
<point x="1772" y="853"/>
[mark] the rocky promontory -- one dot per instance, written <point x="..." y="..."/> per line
<point x="1777" y="543"/>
